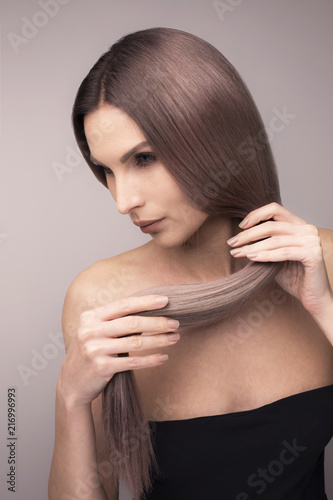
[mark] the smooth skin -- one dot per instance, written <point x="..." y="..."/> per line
<point x="290" y="239"/>
<point x="290" y="352"/>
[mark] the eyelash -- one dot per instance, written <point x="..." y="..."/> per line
<point x="138" y="157"/>
<point x="151" y="157"/>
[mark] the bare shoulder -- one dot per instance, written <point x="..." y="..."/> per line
<point x="104" y="281"/>
<point x="326" y="236"/>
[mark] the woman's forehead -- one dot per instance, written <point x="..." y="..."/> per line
<point x="109" y="126"/>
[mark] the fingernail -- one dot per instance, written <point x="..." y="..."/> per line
<point x="163" y="357"/>
<point x="243" y="224"/>
<point x="173" y="324"/>
<point x="174" y="336"/>
<point x="235" y="252"/>
<point x="251" y="255"/>
<point x="232" y="241"/>
<point x="161" y="300"/>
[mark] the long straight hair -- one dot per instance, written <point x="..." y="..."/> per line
<point x="200" y="119"/>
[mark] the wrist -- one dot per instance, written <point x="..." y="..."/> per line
<point x="324" y="317"/>
<point x="68" y="402"/>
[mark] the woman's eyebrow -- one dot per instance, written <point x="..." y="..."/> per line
<point x="133" y="150"/>
<point x="125" y="156"/>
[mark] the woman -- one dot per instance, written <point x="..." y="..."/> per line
<point x="212" y="343"/>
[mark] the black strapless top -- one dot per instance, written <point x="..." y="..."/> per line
<point x="275" y="452"/>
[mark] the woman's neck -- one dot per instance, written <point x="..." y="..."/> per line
<point x="206" y="255"/>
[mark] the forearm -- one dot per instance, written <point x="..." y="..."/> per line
<point x="74" y="464"/>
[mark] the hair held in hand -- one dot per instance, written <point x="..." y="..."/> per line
<point x="201" y="121"/>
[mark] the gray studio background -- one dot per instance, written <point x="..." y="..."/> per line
<point x="54" y="225"/>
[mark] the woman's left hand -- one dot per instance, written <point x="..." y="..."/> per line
<point x="287" y="238"/>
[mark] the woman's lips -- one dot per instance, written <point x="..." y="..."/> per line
<point x="149" y="226"/>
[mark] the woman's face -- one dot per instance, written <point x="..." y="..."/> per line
<point x="139" y="183"/>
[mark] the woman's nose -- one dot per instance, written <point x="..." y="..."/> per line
<point x="128" y="195"/>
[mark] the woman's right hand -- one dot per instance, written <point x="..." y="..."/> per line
<point x="103" y="333"/>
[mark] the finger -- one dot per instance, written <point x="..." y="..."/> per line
<point x="111" y="347"/>
<point x="122" y="364"/>
<point x="140" y="343"/>
<point x="129" y="305"/>
<point x="270" y="211"/>
<point x="273" y="242"/>
<point x="266" y="230"/>
<point x="129" y="325"/>
<point x="299" y="254"/>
